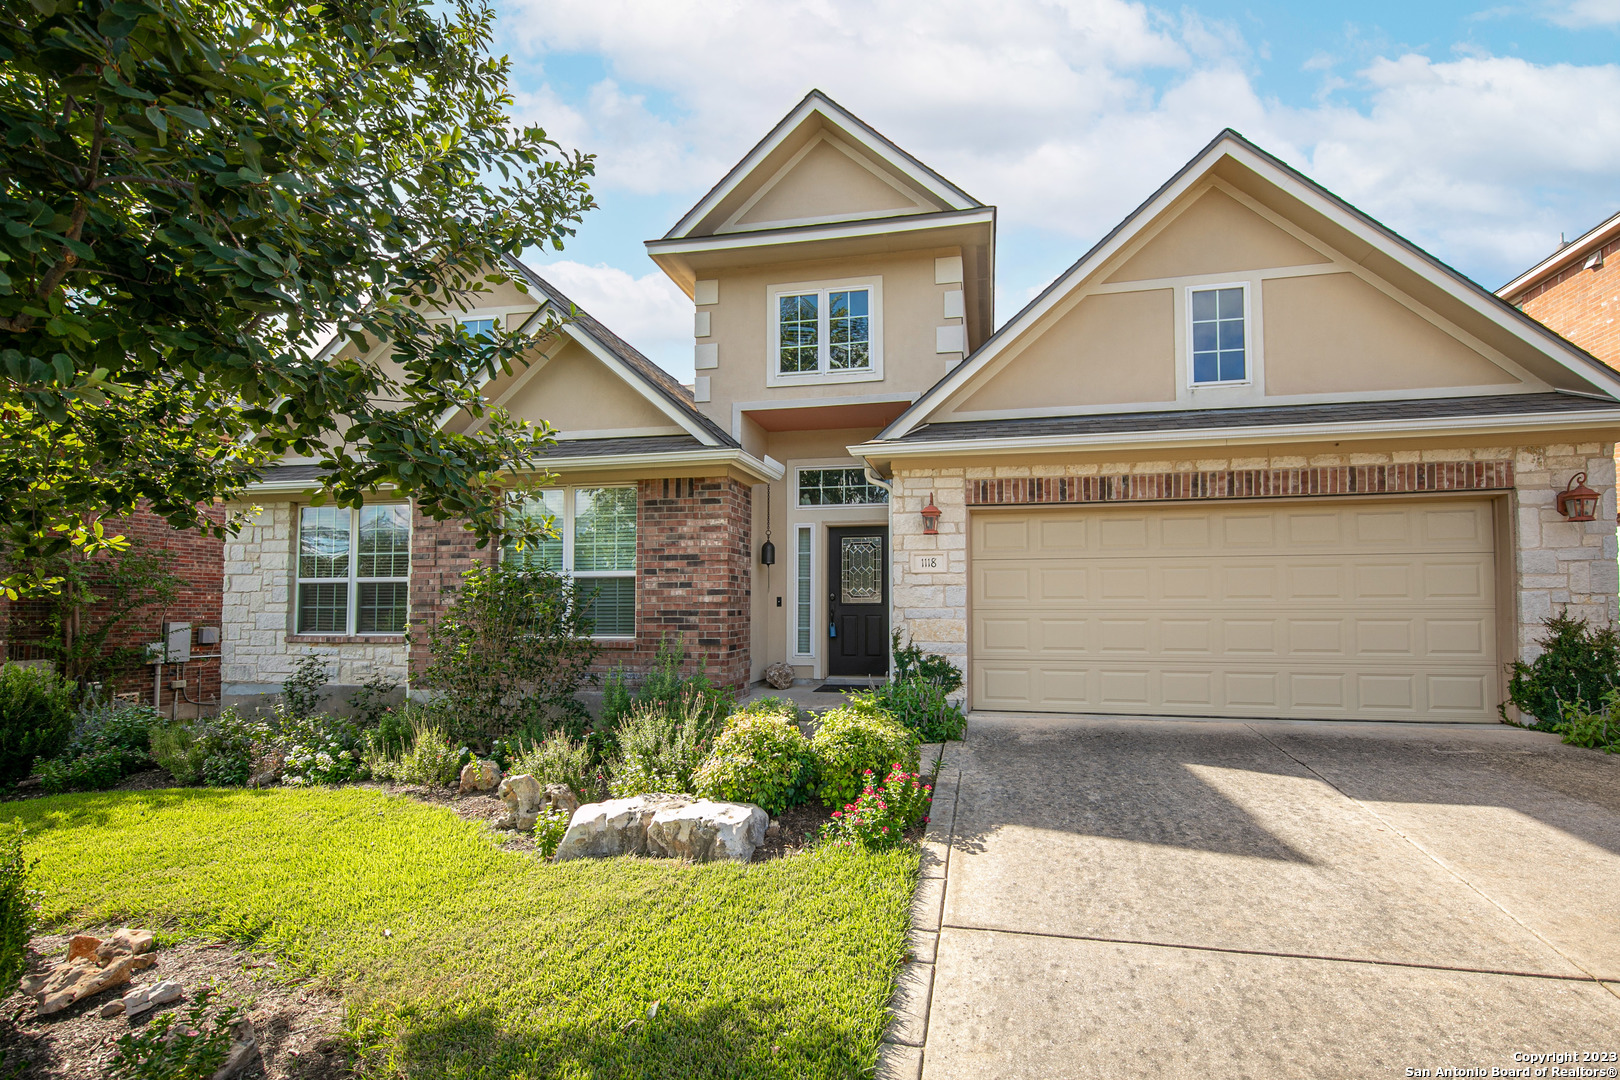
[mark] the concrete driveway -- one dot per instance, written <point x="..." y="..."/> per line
<point x="1159" y="898"/>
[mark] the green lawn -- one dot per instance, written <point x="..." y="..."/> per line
<point x="497" y="965"/>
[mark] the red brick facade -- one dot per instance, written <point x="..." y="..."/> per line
<point x="692" y="576"/>
<point x="1245" y="484"/>
<point x="199" y="561"/>
<point x="1583" y="305"/>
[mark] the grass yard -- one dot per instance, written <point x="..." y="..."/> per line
<point x="494" y="964"/>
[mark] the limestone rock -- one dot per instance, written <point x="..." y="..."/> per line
<point x="561" y="797"/>
<point x="126" y="942"/>
<point x="84" y="945"/>
<point x="82" y="979"/>
<point x="614" y="827"/>
<point x="142" y="998"/>
<point x="244" y="1052"/>
<point x="33" y="984"/>
<point x="779" y="675"/>
<point x="112" y="1008"/>
<point x="708" y="831"/>
<point x="523" y="797"/>
<point x="479" y="776"/>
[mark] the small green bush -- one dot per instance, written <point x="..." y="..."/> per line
<point x="661" y="746"/>
<point x="919" y="705"/>
<point x="36" y="718"/>
<point x="879" y="817"/>
<point x="301" y="693"/>
<point x="558" y="759"/>
<point x="853" y="739"/>
<point x="430" y="759"/>
<point x="549" y="829"/>
<point x="369" y="705"/>
<point x="666" y="689"/>
<point x="910" y="662"/>
<point x="318" y="749"/>
<point x="760" y="758"/>
<point x="110" y="741"/>
<point x="218" y="752"/>
<point x="1595" y="729"/>
<point x="19" y="909"/>
<point x="1578" y="665"/>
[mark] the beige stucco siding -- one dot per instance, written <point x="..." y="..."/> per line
<point x="827" y="182"/>
<point x="575" y="391"/>
<point x="1215" y="235"/>
<point x="1335" y="333"/>
<point x="1110" y="348"/>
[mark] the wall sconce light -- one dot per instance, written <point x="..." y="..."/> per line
<point x="930" y="516"/>
<point x="1578" y="502"/>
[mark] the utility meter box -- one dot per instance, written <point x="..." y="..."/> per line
<point x="175" y="648"/>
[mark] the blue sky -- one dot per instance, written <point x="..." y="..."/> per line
<point x="1479" y="132"/>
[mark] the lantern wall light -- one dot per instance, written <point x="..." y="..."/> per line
<point x="930" y="516"/>
<point x="1577" y="502"/>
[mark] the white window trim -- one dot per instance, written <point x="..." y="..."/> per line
<point x="799" y="507"/>
<point x="773" y="333"/>
<point x="353" y="581"/>
<point x="804" y="532"/>
<point x="565" y="526"/>
<point x="1248" y="333"/>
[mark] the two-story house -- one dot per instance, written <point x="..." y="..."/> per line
<point x="1252" y="455"/>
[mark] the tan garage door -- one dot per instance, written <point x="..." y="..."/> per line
<point x="1344" y="609"/>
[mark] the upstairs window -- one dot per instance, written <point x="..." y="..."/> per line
<point x="1219" y="335"/>
<point x="479" y="328"/>
<point x="594" y="542"/>
<point x="838" y="487"/>
<point x="354" y="569"/>
<point x="831" y="333"/>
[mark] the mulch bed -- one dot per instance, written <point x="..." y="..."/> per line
<point x="298" y="1024"/>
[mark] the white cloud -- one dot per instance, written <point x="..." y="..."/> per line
<point x="1067" y="113"/>
<point x="647" y="311"/>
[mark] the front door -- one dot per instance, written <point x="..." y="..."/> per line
<point x="858" y="607"/>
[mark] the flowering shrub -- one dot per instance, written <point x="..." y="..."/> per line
<point x="853" y="741"/>
<point x="879" y="817"/>
<point x="761" y="758"/>
<point x="319" y="749"/>
<point x="431" y="758"/>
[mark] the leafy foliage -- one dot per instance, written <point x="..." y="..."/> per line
<point x="194" y="195"/>
<point x="1595" y="729"/>
<point x="172" y="1048"/>
<point x="510" y="652"/>
<point x="662" y="745"/>
<point x="549" y="829"/>
<point x="761" y="757"/>
<point x="19" y="909"/>
<point x="919" y="705"/>
<point x="1578" y="665"/>
<point x="558" y="759"/>
<point x="217" y="751"/>
<point x="853" y="740"/>
<point x="430" y="758"/>
<point x="110" y="741"/>
<point x="666" y="686"/>
<point x="879" y="818"/>
<point x="301" y="693"/>
<point x="36" y="717"/>
<point x="911" y="662"/>
<point x="371" y="702"/>
<point x="319" y="750"/>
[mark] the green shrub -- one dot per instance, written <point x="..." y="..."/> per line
<point x="761" y="758"/>
<point x="616" y="698"/>
<point x="852" y="740"/>
<point x="19" y="909"/>
<point x="880" y="815"/>
<point x="110" y="741"/>
<point x="919" y="705"/>
<point x="665" y="688"/>
<point x="301" y="693"/>
<point x="549" y="829"/>
<point x="1578" y="665"/>
<point x="661" y="746"/>
<point x="431" y="758"/>
<point x="176" y="1046"/>
<point x="36" y="718"/>
<point x="218" y="752"/>
<point x="1595" y="729"/>
<point x="369" y="705"/>
<point x="558" y="759"/>
<point x="393" y="731"/>
<point x="910" y="662"/>
<point x="318" y="749"/>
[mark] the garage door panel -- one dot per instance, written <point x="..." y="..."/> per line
<point x="1379" y="610"/>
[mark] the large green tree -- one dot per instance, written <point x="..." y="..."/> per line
<point x="195" y="195"/>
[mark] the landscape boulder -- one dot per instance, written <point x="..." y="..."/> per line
<point x="562" y="797"/>
<point x="524" y="798"/>
<point x="479" y="776"/>
<point x="143" y="998"/>
<point x="92" y="965"/>
<point x="614" y="827"/>
<point x="708" y="831"/>
<point x="779" y="675"/>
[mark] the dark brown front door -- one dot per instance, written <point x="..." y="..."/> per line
<point x="858" y="607"/>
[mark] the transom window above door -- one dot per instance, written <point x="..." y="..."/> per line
<point x="830" y="334"/>
<point x="838" y="487"/>
<point x="1218" y="320"/>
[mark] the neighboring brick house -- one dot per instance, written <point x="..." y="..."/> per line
<point x="1252" y="455"/>
<point x="198" y="561"/>
<point x="1576" y="291"/>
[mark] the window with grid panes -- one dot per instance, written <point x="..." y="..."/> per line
<point x="838" y="487"/>
<point x="1219" y="341"/>
<point x="353" y="569"/>
<point x="594" y="542"/>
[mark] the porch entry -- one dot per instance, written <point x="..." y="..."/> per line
<point x="858" y="604"/>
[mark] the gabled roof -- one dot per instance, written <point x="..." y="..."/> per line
<point x="1577" y="250"/>
<point x="641" y="373"/>
<point x="818" y="107"/>
<point x="1399" y="254"/>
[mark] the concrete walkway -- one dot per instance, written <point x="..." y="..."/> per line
<point x="1118" y="898"/>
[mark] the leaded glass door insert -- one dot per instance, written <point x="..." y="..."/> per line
<point x="861" y="580"/>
